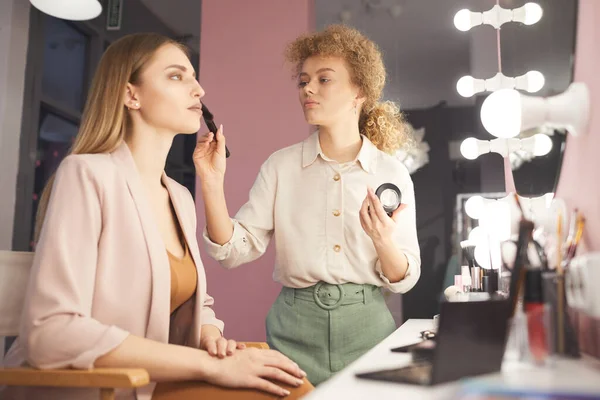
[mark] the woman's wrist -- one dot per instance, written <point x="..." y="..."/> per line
<point x="212" y="183"/>
<point x="207" y="367"/>
<point x="383" y="243"/>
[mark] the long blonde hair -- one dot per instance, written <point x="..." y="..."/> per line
<point x="382" y="122"/>
<point x="104" y="121"/>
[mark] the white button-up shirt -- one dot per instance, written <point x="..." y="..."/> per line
<point x="311" y="205"/>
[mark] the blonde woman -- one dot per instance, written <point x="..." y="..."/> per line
<point x="335" y="245"/>
<point x="117" y="279"/>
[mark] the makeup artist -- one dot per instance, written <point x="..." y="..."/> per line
<point x="335" y="245"/>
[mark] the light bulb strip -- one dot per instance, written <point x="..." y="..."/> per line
<point x="497" y="16"/>
<point x="528" y="203"/>
<point x="472" y="148"/>
<point x="532" y="81"/>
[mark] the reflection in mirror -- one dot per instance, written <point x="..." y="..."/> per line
<point x="425" y="56"/>
<point x="537" y="175"/>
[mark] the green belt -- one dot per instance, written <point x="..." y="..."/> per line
<point x="331" y="296"/>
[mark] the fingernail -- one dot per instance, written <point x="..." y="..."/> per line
<point x="221" y="128"/>
<point x="286" y="392"/>
<point x="303" y="373"/>
<point x="299" y="382"/>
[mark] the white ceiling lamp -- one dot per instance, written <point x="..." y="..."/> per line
<point x="529" y="14"/>
<point x="531" y="82"/>
<point x="505" y="113"/>
<point x="538" y="145"/>
<point x="74" y="10"/>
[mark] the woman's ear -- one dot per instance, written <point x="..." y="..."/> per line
<point x="131" y="100"/>
<point x="359" y="101"/>
<point x="360" y="98"/>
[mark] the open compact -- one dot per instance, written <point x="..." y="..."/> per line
<point x="390" y="197"/>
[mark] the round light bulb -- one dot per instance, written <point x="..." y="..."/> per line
<point x="466" y="86"/>
<point x="535" y="81"/>
<point x="496" y="220"/>
<point x="468" y="148"/>
<point x="533" y="13"/>
<point x="542" y="144"/>
<point x="477" y="235"/>
<point x="501" y="113"/>
<point x="482" y="255"/>
<point x="73" y="10"/>
<point x="462" y="20"/>
<point x="474" y="206"/>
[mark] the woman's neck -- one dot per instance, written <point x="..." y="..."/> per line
<point x="149" y="149"/>
<point x="341" y="142"/>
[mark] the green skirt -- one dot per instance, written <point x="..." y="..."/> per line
<point x="323" y="328"/>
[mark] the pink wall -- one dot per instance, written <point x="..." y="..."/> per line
<point x="579" y="185"/>
<point x="250" y="91"/>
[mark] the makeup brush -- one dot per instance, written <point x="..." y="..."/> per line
<point x="468" y="248"/>
<point x="209" y="119"/>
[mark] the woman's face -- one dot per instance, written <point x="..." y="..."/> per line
<point x="168" y="94"/>
<point x="326" y="91"/>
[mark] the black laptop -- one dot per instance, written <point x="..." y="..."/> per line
<point x="470" y="341"/>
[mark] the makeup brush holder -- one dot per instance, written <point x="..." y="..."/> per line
<point x="565" y="331"/>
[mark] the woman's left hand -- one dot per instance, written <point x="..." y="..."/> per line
<point x="377" y="224"/>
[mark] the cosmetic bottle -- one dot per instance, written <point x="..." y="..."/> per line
<point x="535" y="310"/>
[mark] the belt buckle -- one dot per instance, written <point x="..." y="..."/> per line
<point x="325" y="306"/>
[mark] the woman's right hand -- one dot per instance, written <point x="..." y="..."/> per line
<point x="209" y="156"/>
<point x="255" y="369"/>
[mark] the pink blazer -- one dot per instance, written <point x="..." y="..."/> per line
<point x="101" y="272"/>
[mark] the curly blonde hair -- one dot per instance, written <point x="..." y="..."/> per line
<point x="382" y="122"/>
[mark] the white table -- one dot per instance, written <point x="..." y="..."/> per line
<point x="581" y="375"/>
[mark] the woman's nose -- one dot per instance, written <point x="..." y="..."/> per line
<point x="198" y="91"/>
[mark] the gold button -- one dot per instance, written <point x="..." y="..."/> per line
<point x="337" y="248"/>
<point x="336" y="213"/>
<point x="336" y="177"/>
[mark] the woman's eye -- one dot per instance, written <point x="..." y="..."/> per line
<point x="176" y="77"/>
<point x="325" y="80"/>
<point x="302" y="84"/>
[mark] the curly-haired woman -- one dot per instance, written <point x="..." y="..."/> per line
<point x="335" y="245"/>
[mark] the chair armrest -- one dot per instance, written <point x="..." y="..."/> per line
<point x="258" y="345"/>
<point x="94" y="378"/>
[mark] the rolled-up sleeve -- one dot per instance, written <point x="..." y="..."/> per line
<point x="57" y="329"/>
<point x="252" y="226"/>
<point x="207" y="315"/>
<point x="405" y="237"/>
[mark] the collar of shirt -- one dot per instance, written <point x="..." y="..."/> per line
<point x="367" y="156"/>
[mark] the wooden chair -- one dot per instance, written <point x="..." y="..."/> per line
<point x="14" y="274"/>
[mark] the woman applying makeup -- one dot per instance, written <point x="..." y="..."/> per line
<point x="336" y="247"/>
